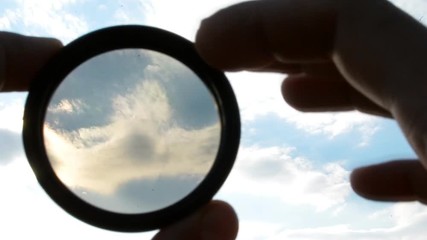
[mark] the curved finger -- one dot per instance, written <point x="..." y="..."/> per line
<point x="315" y="94"/>
<point x="253" y="34"/>
<point x="404" y="180"/>
<point x="217" y="220"/>
<point x="21" y="57"/>
<point x="389" y="70"/>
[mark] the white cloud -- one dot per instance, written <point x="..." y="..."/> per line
<point x="128" y="12"/>
<point x="127" y="153"/>
<point x="406" y="214"/>
<point x="275" y="172"/>
<point x="257" y="230"/>
<point x="407" y="222"/>
<point x="141" y="142"/>
<point x="67" y="106"/>
<point x="24" y="205"/>
<point x="11" y="113"/>
<point x="8" y="19"/>
<point x="182" y="17"/>
<point x="47" y="18"/>
<point x="142" y="139"/>
<point x="417" y="8"/>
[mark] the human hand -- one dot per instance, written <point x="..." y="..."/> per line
<point x="21" y="57"/>
<point x="339" y="55"/>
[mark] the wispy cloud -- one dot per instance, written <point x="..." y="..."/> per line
<point x="48" y="18"/>
<point x="407" y="222"/>
<point x="11" y="113"/>
<point x="23" y="202"/>
<point x="10" y="146"/>
<point x="409" y="219"/>
<point x="417" y="8"/>
<point x="181" y="17"/>
<point x="278" y="172"/>
<point x="144" y="137"/>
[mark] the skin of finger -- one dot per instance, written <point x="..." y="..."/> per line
<point x="312" y="94"/>
<point x="401" y="180"/>
<point x="388" y="68"/>
<point x="372" y="58"/>
<point x="291" y="31"/>
<point x="379" y="49"/>
<point x="254" y="34"/>
<point x="221" y="39"/>
<point x="21" y="57"/>
<point x="217" y="220"/>
<point x="321" y="87"/>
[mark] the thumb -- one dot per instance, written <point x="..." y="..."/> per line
<point x="216" y="220"/>
<point x="21" y="57"/>
<point x="399" y="180"/>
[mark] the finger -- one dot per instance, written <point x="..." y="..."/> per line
<point x="387" y="69"/>
<point x="392" y="181"/>
<point x="253" y="34"/>
<point x="311" y="94"/>
<point x="320" y="87"/>
<point x="363" y="46"/>
<point x="217" y="220"/>
<point x="21" y="57"/>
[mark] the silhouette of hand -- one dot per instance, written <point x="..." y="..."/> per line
<point x="21" y="57"/>
<point x="339" y="55"/>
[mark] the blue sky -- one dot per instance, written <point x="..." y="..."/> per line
<point x="290" y="180"/>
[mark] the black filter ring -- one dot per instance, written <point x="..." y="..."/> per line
<point x="115" y="38"/>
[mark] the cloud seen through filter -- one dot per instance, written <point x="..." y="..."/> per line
<point x="139" y="138"/>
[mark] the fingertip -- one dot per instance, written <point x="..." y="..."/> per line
<point x="203" y="45"/>
<point x="216" y="220"/>
<point x="48" y="42"/>
<point x="220" y="221"/>
<point x="53" y="44"/>
<point x="311" y="94"/>
<point x="377" y="183"/>
<point x="359" y="181"/>
<point x="230" y="38"/>
<point x="390" y="181"/>
<point x="212" y="40"/>
<point x="290" y="93"/>
<point x="23" y="57"/>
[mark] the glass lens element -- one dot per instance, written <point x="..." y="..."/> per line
<point x="132" y="131"/>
